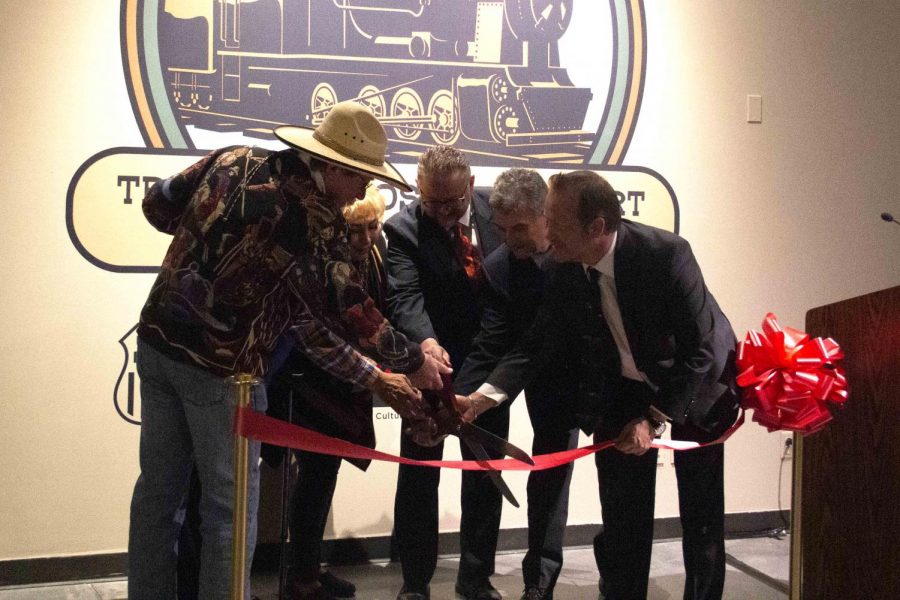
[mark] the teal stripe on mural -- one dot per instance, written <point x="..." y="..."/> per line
<point x="620" y="86"/>
<point x="160" y="96"/>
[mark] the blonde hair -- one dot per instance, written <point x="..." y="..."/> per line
<point x="369" y="208"/>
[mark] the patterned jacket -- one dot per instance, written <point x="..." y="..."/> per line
<point x="257" y="251"/>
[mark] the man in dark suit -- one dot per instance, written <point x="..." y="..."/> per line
<point x="436" y="280"/>
<point x="654" y="347"/>
<point x="518" y="272"/>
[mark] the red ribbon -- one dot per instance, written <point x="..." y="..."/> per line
<point x="251" y="424"/>
<point x="789" y="379"/>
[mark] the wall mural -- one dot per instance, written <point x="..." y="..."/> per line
<point x="485" y="76"/>
<point x="544" y="84"/>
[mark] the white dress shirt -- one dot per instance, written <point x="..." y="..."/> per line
<point x="610" y="306"/>
<point x="465" y="220"/>
<point x="609" y="303"/>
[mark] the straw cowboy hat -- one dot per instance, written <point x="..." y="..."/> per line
<point x="350" y="136"/>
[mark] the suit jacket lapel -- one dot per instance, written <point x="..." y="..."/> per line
<point x="436" y="243"/>
<point x="481" y="221"/>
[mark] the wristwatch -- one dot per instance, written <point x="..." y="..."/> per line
<point x="658" y="427"/>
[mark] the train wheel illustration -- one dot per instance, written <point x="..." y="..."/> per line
<point x="208" y="102"/>
<point x="371" y="97"/>
<point x="323" y="99"/>
<point x="445" y="126"/>
<point x="505" y="122"/>
<point x="179" y="96"/>
<point x="499" y="86"/>
<point x="406" y="108"/>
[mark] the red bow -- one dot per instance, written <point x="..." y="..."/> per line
<point x="789" y="378"/>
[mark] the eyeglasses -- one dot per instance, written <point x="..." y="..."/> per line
<point x="443" y="204"/>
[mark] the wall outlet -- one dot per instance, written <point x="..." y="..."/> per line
<point x="754" y="108"/>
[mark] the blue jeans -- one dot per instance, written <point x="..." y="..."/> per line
<point x="186" y="418"/>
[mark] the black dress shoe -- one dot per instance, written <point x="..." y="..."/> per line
<point x="339" y="588"/>
<point x="407" y="594"/>
<point x="532" y="592"/>
<point x="478" y="591"/>
<point x="314" y="591"/>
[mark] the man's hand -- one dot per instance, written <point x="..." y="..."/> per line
<point x="431" y="348"/>
<point x="428" y="377"/>
<point x="635" y="438"/>
<point x="397" y="391"/>
<point x="473" y="405"/>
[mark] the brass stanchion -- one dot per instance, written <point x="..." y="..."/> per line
<point x="242" y="386"/>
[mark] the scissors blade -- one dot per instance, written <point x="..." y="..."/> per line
<point x="482" y="457"/>
<point x="464" y="430"/>
<point x="489" y="440"/>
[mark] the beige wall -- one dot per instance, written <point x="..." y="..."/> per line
<point x="783" y="216"/>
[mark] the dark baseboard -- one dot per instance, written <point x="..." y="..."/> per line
<point x="353" y="550"/>
<point x="63" y="568"/>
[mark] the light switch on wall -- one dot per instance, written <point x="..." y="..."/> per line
<point x="754" y="109"/>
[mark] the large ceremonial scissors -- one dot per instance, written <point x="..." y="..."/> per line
<point x="441" y="406"/>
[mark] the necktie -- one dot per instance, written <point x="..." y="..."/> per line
<point x="468" y="254"/>
<point x="610" y="361"/>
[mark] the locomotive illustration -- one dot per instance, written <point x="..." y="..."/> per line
<point x="482" y="75"/>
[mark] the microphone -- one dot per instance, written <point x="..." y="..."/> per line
<point x="889" y="218"/>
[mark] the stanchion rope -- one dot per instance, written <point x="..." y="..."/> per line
<point x="257" y="426"/>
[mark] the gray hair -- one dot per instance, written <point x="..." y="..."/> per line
<point x="443" y="160"/>
<point x="519" y="189"/>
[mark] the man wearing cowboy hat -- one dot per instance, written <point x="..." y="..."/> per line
<point x="259" y="251"/>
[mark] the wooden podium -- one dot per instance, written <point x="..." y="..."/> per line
<point x="846" y="503"/>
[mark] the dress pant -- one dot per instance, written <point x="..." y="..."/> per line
<point x="701" y="503"/>
<point x="627" y="494"/>
<point x="416" y="511"/>
<point x="548" y="509"/>
<point x="622" y="548"/>
<point x="310" y="504"/>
